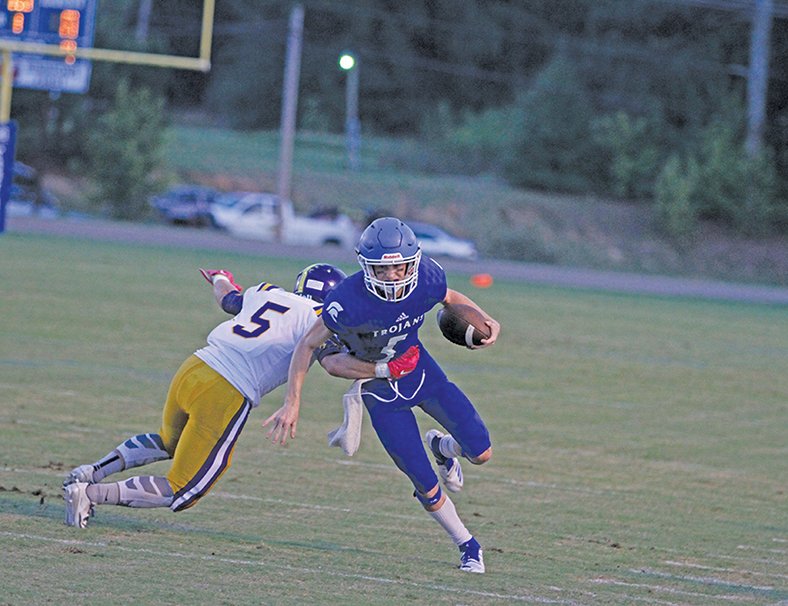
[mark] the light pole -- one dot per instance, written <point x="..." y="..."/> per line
<point x="349" y="63"/>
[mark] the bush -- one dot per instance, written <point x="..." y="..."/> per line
<point x="674" y="194"/>
<point x="633" y="157"/>
<point x="125" y="151"/>
<point x="552" y="145"/>
<point x="734" y="188"/>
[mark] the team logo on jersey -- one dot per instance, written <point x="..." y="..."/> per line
<point x="402" y="316"/>
<point x="333" y="310"/>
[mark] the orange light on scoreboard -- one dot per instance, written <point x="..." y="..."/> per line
<point x="18" y="23"/>
<point x="69" y="46"/>
<point x="69" y="24"/>
<point x="21" y="6"/>
<point x="68" y="30"/>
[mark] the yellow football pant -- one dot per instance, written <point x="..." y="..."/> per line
<point x="202" y="420"/>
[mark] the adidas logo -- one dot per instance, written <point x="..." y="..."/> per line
<point x="402" y="317"/>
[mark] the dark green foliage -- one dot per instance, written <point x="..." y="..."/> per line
<point x="633" y="156"/>
<point x="722" y="183"/>
<point x="734" y="188"/>
<point x="125" y="151"/>
<point x="675" y="195"/>
<point x="553" y="148"/>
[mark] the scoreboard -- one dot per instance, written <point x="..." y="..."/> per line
<point x="68" y="24"/>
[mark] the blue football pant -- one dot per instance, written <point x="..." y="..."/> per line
<point x="395" y="424"/>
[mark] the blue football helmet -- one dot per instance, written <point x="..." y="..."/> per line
<point x="388" y="241"/>
<point x="316" y="280"/>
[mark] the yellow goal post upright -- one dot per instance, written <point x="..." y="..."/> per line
<point x="200" y="63"/>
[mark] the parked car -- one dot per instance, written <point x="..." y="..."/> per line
<point x="256" y="215"/>
<point x="185" y="205"/>
<point x="436" y="242"/>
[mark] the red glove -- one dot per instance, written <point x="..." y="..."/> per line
<point x="405" y="364"/>
<point x="210" y="275"/>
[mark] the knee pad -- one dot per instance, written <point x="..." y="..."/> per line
<point x="428" y="501"/>
<point x="142" y="449"/>
<point x="145" y="492"/>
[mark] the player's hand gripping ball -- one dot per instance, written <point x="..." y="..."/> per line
<point x="463" y="325"/>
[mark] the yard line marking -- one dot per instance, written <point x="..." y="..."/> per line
<point x="21" y="535"/>
<point x="705" y="580"/>
<point x="616" y="582"/>
<point x="483" y="477"/>
<point x="243" y="497"/>
<point x="532" y="598"/>
<point x="726" y="556"/>
<point x="651" y="600"/>
<point x="752" y="548"/>
<point x="731" y="570"/>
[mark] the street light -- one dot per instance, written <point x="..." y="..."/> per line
<point x="349" y="63"/>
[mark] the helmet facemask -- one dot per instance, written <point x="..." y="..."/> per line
<point x="391" y="290"/>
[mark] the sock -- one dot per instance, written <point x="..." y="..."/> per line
<point x="449" y="447"/>
<point x="100" y="494"/>
<point x="145" y="492"/>
<point x="111" y="463"/>
<point x="139" y="491"/>
<point x="447" y="517"/>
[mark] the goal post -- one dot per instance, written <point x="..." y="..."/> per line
<point x="71" y="52"/>
<point x="202" y="62"/>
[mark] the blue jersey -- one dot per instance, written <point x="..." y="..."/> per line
<point x="376" y="330"/>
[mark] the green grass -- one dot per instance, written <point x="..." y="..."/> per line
<point x="639" y="450"/>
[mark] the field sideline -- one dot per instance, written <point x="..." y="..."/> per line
<point x="639" y="450"/>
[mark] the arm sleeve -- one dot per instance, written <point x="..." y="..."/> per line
<point x="233" y="302"/>
<point x="330" y="347"/>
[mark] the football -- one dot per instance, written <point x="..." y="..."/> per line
<point x="463" y="325"/>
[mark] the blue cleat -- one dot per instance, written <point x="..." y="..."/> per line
<point x="471" y="558"/>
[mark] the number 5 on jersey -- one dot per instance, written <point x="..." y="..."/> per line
<point x="257" y="318"/>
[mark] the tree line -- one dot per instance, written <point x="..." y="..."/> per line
<point x="640" y="100"/>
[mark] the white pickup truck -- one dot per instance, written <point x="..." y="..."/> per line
<point x="256" y="215"/>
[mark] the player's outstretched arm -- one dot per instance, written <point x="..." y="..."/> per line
<point x="283" y="421"/>
<point x="223" y="283"/>
<point x="454" y="297"/>
<point x="347" y="366"/>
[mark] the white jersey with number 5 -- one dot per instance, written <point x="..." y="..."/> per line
<point x="253" y="349"/>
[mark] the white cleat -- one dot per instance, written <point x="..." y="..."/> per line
<point x="471" y="557"/>
<point x="78" y="505"/>
<point x="83" y="473"/>
<point x="449" y="468"/>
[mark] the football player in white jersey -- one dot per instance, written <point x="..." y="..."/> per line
<point x="213" y="392"/>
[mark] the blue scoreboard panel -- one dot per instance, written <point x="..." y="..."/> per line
<point x="68" y="24"/>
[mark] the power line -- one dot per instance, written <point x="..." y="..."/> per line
<point x="780" y="9"/>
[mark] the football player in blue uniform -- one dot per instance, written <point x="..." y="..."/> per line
<point x="212" y="395"/>
<point x="376" y="313"/>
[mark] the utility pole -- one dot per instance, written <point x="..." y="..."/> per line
<point x="143" y="20"/>
<point x="289" y="105"/>
<point x="349" y="62"/>
<point x="758" y="75"/>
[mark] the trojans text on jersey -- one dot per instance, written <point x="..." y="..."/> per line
<point x="402" y="324"/>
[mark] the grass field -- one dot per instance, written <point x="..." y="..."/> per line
<point x="640" y="450"/>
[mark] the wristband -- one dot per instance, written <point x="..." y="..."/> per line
<point x="382" y="370"/>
